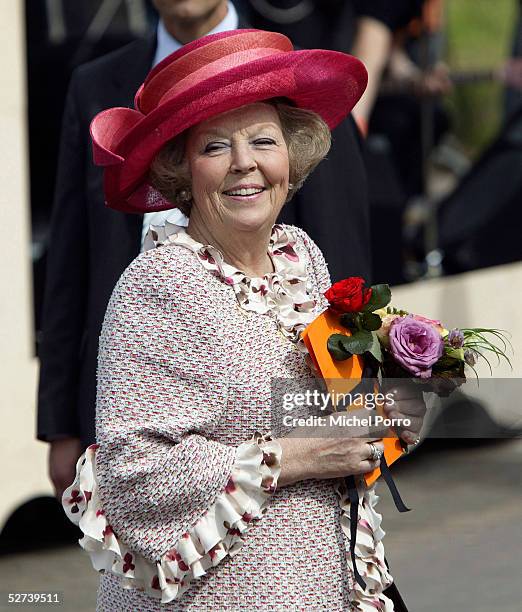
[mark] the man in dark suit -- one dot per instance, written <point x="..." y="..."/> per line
<point x="91" y="244"/>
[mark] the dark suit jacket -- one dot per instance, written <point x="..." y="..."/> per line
<point x="91" y="245"/>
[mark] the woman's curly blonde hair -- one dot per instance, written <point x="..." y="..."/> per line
<point x="307" y="138"/>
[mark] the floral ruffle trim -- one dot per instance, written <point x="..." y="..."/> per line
<point x="369" y="550"/>
<point x="217" y="533"/>
<point x="285" y="293"/>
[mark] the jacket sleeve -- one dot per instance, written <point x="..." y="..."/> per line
<point x="174" y="500"/>
<point x="63" y="317"/>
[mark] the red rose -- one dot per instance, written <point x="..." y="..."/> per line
<point x="348" y="295"/>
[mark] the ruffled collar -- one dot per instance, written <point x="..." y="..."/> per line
<point x="284" y="294"/>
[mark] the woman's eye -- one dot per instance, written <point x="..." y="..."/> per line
<point x="265" y="141"/>
<point x="214" y="146"/>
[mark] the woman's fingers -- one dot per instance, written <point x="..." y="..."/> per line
<point x="407" y="403"/>
<point x="408" y="428"/>
<point x="408" y="410"/>
<point x="413" y="407"/>
<point x="410" y="437"/>
<point x="368" y="466"/>
<point x="405" y="391"/>
<point x="407" y="422"/>
<point x="367" y="450"/>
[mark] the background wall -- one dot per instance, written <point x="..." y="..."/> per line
<point x="21" y="457"/>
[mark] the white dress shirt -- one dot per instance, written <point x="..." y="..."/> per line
<point x="166" y="45"/>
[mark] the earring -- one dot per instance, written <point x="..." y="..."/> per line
<point x="290" y="186"/>
<point x="184" y="195"/>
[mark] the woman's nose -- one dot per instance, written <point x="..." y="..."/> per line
<point x="243" y="159"/>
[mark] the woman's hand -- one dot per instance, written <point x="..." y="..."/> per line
<point x="408" y="406"/>
<point x="63" y="455"/>
<point x="333" y="457"/>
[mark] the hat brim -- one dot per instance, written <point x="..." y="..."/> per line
<point x="326" y="82"/>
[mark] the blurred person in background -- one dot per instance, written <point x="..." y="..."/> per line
<point x="363" y="27"/>
<point x="91" y="245"/>
<point x="489" y="194"/>
<point x="408" y="111"/>
<point x="61" y="35"/>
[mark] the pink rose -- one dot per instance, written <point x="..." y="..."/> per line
<point x="433" y="322"/>
<point x="416" y="345"/>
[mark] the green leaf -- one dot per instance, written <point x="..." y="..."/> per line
<point x="349" y="320"/>
<point x="381" y="296"/>
<point x="335" y="349"/>
<point x="375" y="349"/>
<point x="357" y="344"/>
<point x="371" y="321"/>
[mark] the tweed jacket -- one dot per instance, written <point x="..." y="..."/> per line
<point x="178" y="499"/>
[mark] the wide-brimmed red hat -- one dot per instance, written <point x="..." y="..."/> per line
<point x="205" y="78"/>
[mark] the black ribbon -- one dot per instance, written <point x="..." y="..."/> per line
<point x="353" y="496"/>
<point x="369" y="372"/>
<point x="386" y="474"/>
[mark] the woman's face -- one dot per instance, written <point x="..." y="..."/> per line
<point x="239" y="167"/>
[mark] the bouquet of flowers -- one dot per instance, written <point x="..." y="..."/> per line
<point x="403" y="344"/>
<point x="361" y="335"/>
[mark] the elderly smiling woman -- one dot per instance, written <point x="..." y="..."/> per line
<point x="187" y="502"/>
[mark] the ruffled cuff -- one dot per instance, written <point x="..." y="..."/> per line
<point x="216" y="534"/>
<point x="369" y="550"/>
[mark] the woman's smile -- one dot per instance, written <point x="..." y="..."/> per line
<point x="249" y="192"/>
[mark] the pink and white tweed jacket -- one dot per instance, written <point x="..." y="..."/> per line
<point x="178" y="500"/>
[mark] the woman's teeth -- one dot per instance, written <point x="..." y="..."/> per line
<point x="243" y="192"/>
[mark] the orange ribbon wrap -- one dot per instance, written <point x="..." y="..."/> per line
<point x="342" y="376"/>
